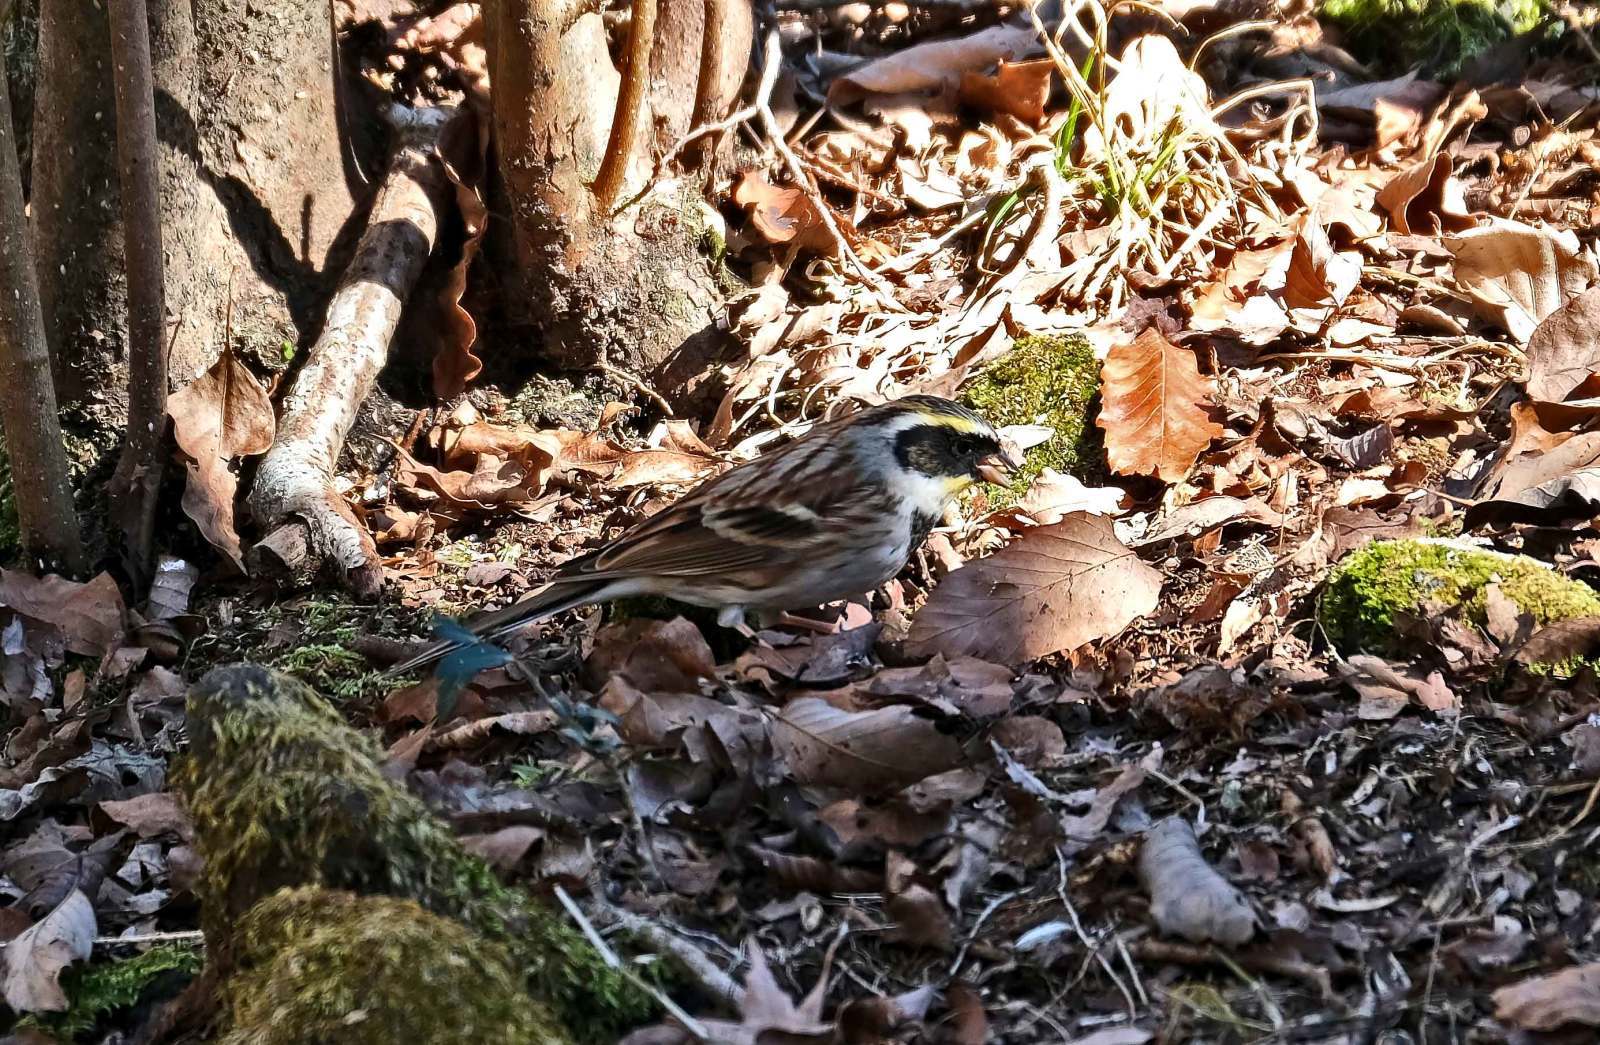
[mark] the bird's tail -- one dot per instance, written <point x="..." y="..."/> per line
<point x="488" y="627"/>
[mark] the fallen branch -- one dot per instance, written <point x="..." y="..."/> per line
<point x="706" y="973"/>
<point x="309" y="526"/>
<point x="1188" y="897"/>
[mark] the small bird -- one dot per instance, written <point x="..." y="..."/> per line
<point x="833" y="514"/>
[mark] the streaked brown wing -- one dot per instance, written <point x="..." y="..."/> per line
<point x="760" y="514"/>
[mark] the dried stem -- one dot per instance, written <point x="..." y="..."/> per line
<point x="27" y="395"/>
<point x="138" y="478"/>
<point x="630" y="107"/>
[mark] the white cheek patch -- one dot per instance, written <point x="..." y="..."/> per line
<point x="925" y="494"/>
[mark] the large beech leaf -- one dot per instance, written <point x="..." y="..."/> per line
<point x="1153" y="408"/>
<point x="35" y="960"/>
<point x="1054" y="588"/>
<point x="1516" y="274"/>
<point x="863" y="751"/>
<point x="221" y="415"/>
<point x="1564" y="351"/>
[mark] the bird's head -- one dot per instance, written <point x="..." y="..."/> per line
<point x="944" y="440"/>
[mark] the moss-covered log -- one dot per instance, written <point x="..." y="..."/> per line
<point x="285" y="794"/>
<point x="1373" y="590"/>
<point x="317" y="965"/>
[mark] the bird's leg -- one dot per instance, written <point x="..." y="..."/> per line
<point x="732" y="617"/>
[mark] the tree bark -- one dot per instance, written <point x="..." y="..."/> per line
<point x="137" y="484"/>
<point x="260" y="200"/>
<point x="74" y="208"/>
<point x="27" y="396"/>
<point x="293" y="496"/>
<point x="630" y="288"/>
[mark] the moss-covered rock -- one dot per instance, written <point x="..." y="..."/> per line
<point x="99" y="991"/>
<point x="1051" y="381"/>
<point x="319" y="965"/>
<point x="1439" y="35"/>
<point x="284" y="794"/>
<point x="1372" y="589"/>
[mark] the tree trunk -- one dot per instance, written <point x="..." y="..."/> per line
<point x="27" y="398"/>
<point x="632" y="287"/>
<point x="259" y="210"/>
<point x="137" y="484"/>
<point x="76" y="228"/>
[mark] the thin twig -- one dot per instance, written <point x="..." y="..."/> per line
<point x="637" y="384"/>
<point x="769" y="79"/>
<point x="630" y="107"/>
<point x="690" y="1024"/>
<point x="804" y="181"/>
<point x="710" y="976"/>
<point x="185" y="936"/>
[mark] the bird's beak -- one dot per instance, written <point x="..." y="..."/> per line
<point x="998" y="467"/>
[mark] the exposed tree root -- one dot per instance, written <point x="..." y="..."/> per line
<point x="309" y="526"/>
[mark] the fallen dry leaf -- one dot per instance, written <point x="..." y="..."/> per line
<point x="504" y="849"/>
<point x="1557" y="641"/>
<point x="877" y="750"/>
<point x="783" y="214"/>
<point x="1518" y="274"/>
<point x="150" y="815"/>
<point x="91" y="616"/>
<point x="462" y="150"/>
<point x="1546" y="1003"/>
<point x="1425" y="198"/>
<point x="1053" y="495"/>
<point x="1319" y="276"/>
<point x="1017" y="88"/>
<point x="1387" y="690"/>
<point x="35" y="960"/>
<point x="1564" y="351"/>
<point x="935" y="65"/>
<point x="221" y="415"/>
<point x="1054" y="588"/>
<point x="968" y="1023"/>
<point x="1153" y="408"/>
<point x="1542" y="473"/>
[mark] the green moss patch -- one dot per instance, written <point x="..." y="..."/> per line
<point x="316" y="965"/>
<point x="1051" y="381"/>
<point x="101" y="990"/>
<point x="1372" y="589"/>
<point x="1439" y="35"/>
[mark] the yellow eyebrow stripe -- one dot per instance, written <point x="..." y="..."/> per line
<point x="956" y="421"/>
